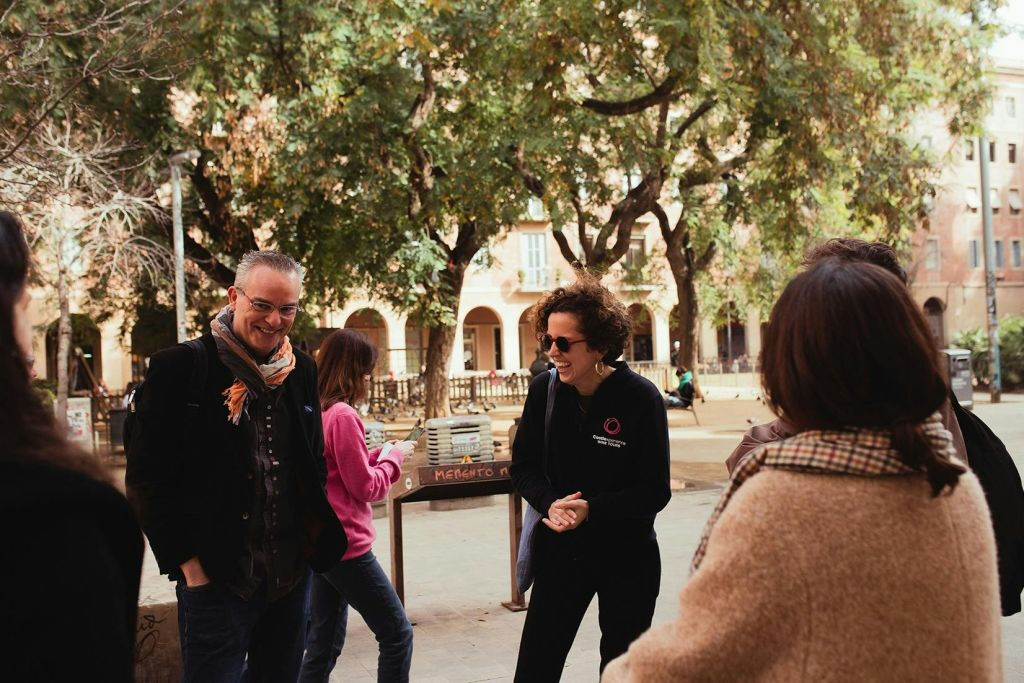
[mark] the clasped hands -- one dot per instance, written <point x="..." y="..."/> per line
<point x="565" y="514"/>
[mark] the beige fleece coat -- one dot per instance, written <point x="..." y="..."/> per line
<point x="812" y="577"/>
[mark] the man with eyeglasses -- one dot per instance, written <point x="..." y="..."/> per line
<point x="229" y="480"/>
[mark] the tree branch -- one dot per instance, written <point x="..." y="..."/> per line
<point x="581" y="227"/>
<point x="421" y="178"/>
<point x="663" y="92"/>
<point x="217" y="218"/>
<point x="703" y="108"/>
<point x="534" y="184"/>
<point x="663" y="222"/>
<point x="701" y="264"/>
<point x="466" y="243"/>
<point x="695" y="177"/>
<point x="563" y="246"/>
<point x="49" y="110"/>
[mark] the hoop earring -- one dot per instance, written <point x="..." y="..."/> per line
<point x="599" y="368"/>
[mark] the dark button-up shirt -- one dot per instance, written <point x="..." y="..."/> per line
<point x="275" y="536"/>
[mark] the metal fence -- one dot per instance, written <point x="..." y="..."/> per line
<point x="509" y="388"/>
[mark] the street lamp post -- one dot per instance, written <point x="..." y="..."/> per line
<point x="175" y="163"/>
<point x="991" y="319"/>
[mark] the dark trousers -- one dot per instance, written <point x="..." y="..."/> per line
<point x="225" y="638"/>
<point x="568" y="576"/>
<point x="361" y="583"/>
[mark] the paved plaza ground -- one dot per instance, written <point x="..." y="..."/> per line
<point x="456" y="561"/>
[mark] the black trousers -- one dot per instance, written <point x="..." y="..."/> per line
<point x="568" y="575"/>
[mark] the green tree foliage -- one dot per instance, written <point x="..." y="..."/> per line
<point x="83" y="62"/>
<point x="738" y="117"/>
<point x="367" y="139"/>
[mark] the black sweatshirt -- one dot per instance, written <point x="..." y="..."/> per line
<point x="616" y="452"/>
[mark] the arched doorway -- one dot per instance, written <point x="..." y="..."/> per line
<point x="371" y="323"/>
<point x="933" y="313"/>
<point x="528" y="344"/>
<point x="641" y="340"/>
<point x="83" y="369"/>
<point x="732" y="335"/>
<point x="481" y="340"/>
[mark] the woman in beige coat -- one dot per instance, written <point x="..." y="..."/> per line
<point x="859" y="549"/>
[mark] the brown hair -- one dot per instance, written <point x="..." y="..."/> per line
<point x="604" y="321"/>
<point x="344" y="360"/>
<point x="852" y="249"/>
<point x="847" y="347"/>
<point x="31" y="433"/>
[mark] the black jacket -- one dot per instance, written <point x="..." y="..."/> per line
<point x="191" y="480"/>
<point x="617" y="454"/>
<point x="69" y="581"/>
<point x="999" y="478"/>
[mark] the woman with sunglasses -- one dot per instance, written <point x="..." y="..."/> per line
<point x="598" y="473"/>
<point x="355" y="478"/>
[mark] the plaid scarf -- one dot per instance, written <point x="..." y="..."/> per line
<point x="856" y="451"/>
<point x="251" y="378"/>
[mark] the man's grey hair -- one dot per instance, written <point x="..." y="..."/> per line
<point x="282" y="263"/>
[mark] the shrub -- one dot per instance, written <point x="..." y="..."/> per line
<point x="1011" y="350"/>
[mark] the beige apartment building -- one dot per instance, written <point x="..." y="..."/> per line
<point x="948" y="269"/>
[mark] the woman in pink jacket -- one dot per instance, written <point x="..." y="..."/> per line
<point x="355" y="478"/>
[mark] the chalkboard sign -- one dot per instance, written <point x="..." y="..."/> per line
<point x="456" y="474"/>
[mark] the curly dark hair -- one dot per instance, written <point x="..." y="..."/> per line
<point x="604" y="320"/>
<point x="852" y="249"/>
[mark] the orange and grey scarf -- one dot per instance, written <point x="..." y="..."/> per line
<point x="251" y="378"/>
<point x="860" y="452"/>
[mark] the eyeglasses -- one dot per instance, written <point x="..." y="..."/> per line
<point x="287" y="311"/>
<point x="561" y="343"/>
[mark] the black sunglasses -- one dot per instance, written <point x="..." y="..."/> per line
<point x="561" y="343"/>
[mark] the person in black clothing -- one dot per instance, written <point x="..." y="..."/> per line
<point x="231" y="492"/>
<point x="540" y="365"/>
<point x="69" y="582"/>
<point x="603" y="481"/>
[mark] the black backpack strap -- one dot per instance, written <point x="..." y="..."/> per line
<point x="197" y="380"/>
<point x="548" y="409"/>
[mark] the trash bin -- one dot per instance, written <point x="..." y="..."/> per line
<point x="454" y="440"/>
<point x="959" y="366"/>
<point x="117" y="416"/>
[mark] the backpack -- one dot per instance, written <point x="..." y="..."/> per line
<point x="132" y="434"/>
<point x="992" y="464"/>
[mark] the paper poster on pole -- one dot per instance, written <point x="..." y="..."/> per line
<point x="80" y="422"/>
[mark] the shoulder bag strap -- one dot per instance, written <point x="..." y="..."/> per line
<point x="197" y="380"/>
<point x="548" y="409"/>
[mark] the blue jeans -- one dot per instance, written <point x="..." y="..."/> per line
<point x="226" y="639"/>
<point x="362" y="583"/>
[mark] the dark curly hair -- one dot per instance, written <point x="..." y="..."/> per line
<point x="604" y="321"/>
<point x="852" y="249"/>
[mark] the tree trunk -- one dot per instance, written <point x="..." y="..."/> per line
<point x="440" y="340"/>
<point x="63" y="345"/>
<point x="687" y="310"/>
